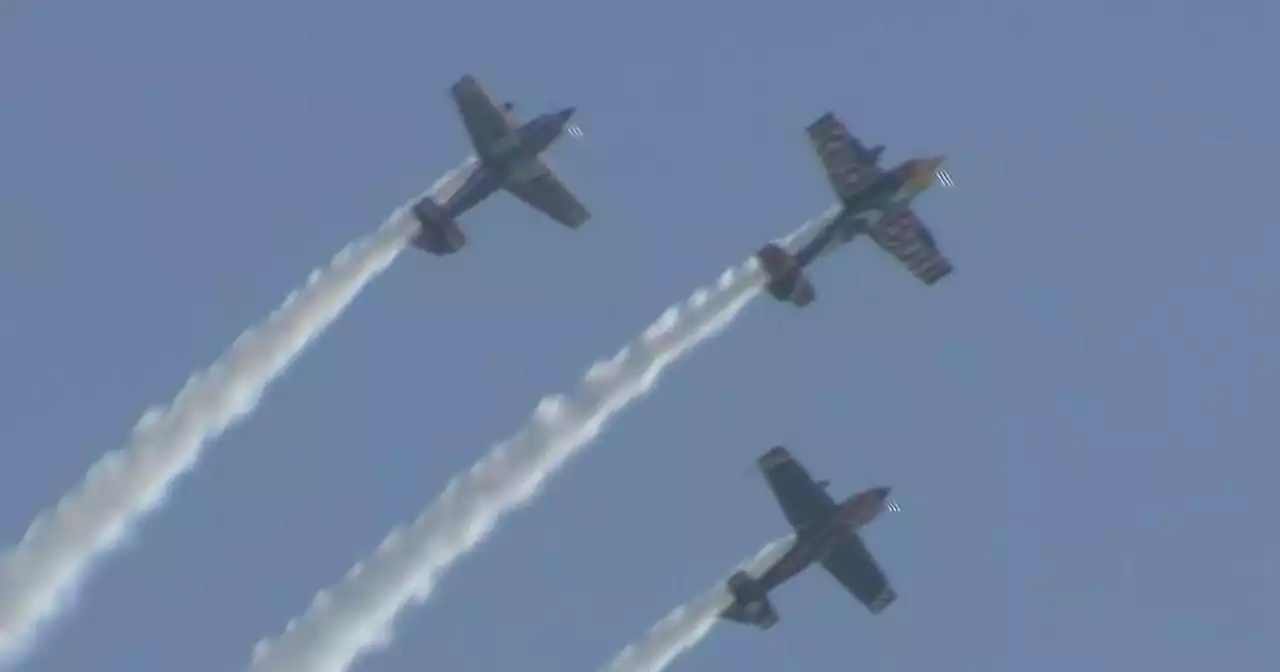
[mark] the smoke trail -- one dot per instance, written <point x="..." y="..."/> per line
<point x="684" y="627"/>
<point x="358" y="613"/>
<point x="39" y="575"/>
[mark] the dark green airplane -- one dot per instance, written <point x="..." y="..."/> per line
<point x="874" y="201"/>
<point x="510" y="159"/>
<point x="826" y="532"/>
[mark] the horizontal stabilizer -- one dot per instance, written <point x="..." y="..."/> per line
<point x="787" y="281"/>
<point x="751" y="604"/>
<point x="440" y="233"/>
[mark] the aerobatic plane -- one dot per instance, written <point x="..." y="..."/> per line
<point x="873" y="201"/>
<point x="825" y="532"/>
<point x="508" y="154"/>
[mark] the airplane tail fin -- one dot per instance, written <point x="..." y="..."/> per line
<point x="751" y="604"/>
<point x="440" y="234"/>
<point x="787" y="281"/>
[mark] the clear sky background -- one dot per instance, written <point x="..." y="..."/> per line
<point x="1079" y="423"/>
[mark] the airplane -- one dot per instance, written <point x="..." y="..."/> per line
<point x="873" y="201"/>
<point x="825" y="532"/>
<point x="508" y="159"/>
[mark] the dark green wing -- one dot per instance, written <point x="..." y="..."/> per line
<point x="546" y="193"/>
<point x="485" y="122"/>
<point x="803" y="501"/>
<point x="852" y="565"/>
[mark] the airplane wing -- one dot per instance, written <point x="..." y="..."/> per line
<point x="485" y="122"/>
<point x="907" y="238"/>
<point x="852" y="565"/>
<point x="803" y="501"/>
<point x="543" y="191"/>
<point x="849" y="165"/>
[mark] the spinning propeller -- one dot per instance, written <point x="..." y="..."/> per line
<point x="890" y="504"/>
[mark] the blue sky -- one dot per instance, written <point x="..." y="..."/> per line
<point x="1076" y="423"/>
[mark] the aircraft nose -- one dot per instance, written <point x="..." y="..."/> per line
<point x="567" y="112"/>
<point x="940" y="174"/>
<point x="925" y="171"/>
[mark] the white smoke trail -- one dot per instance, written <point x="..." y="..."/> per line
<point x="39" y="576"/>
<point x="358" y="613"/>
<point x="684" y="627"/>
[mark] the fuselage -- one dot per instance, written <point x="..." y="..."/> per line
<point x="877" y="204"/>
<point x="513" y="158"/>
<point x="814" y="542"/>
